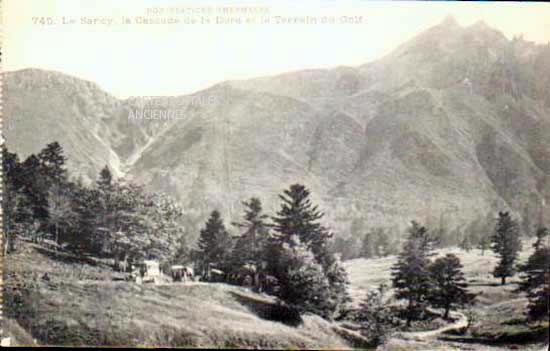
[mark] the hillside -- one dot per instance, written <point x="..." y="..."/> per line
<point x="84" y="302"/>
<point x="453" y="123"/>
<point x="81" y="304"/>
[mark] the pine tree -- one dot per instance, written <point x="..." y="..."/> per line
<point x="298" y="217"/>
<point x="34" y="191"/>
<point x="449" y="285"/>
<point x="506" y="244"/>
<point x="536" y="284"/>
<point x="214" y="245"/>
<point x="250" y="245"/>
<point x="52" y="162"/>
<point x="410" y="275"/>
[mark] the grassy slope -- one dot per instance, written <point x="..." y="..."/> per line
<point x="499" y="308"/>
<point x="80" y="304"/>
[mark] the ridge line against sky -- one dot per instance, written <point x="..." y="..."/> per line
<point x="172" y="60"/>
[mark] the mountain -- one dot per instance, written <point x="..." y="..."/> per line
<point x="452" y="124"/>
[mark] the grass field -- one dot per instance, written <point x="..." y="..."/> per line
<point x="80" y="304"/>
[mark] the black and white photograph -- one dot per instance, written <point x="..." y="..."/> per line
<point x="300" y="175"/>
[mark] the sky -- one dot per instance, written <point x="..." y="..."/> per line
<point x="138" y="59"/>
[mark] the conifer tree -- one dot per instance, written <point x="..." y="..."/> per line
<point x="52" y="162"/>
<point x="250" y="245"/>
<point x="215" y="244"/>
<point x="34" y="190"/>
<point x="448" y="284"/>
<point x="299" y="217"/>
<point x="410" y="275"/>
<point x="506" y="244"/>
<point x="536" y="284"/>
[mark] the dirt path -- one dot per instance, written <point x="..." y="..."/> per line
<point x="460" y="323"/>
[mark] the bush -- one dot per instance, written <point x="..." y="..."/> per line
<point x="303" y="284"/>
<point x="376" y="317"/>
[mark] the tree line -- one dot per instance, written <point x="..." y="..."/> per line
<point x="291" y="250"/>
<point x="109" y="218"/>
<point x="385" y="241"/>
<point x="116" y="219"/>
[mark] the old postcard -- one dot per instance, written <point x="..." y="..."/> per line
<point x="275" y="174"/>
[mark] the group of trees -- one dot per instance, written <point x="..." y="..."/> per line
<point x="291" y="248"/>
<point x="366" y="243"/>
<point x="111" y="218"/>
<point x="384" y="241"/>
<point x="423" y="282"/>
<point x="535" y="280"/>
<point x="440" y="283"/>
<point x="378" y="243"/>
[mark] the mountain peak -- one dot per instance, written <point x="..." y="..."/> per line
<point x="481" y="24"/>
<point x="449" y="20"/>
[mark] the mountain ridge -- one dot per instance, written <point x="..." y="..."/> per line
<point x="454" y="121"/>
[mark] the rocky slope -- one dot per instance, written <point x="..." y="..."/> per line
<point x="454" y="121"/>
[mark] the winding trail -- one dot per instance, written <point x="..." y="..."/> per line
<point x="462" y="322"/>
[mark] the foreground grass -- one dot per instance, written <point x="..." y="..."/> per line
<point x="80" y="304"/>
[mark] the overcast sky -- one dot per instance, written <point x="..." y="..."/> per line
<point x="154" y="59"/>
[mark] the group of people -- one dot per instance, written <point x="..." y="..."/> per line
<point x="182" y="273"/>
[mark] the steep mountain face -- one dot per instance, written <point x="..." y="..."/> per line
<point x="454" y="123"/>
<point x="92" y="126"/>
